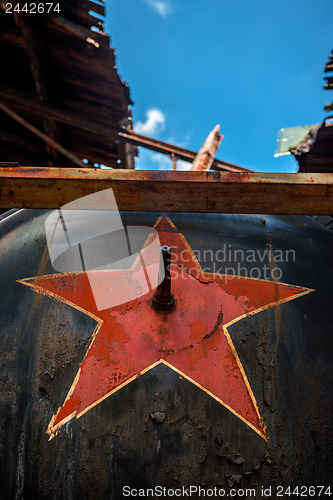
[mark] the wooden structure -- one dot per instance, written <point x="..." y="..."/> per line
<point x="64" y="62"/>
<point x="329" y="80"/>
<point x="315" y="152"/>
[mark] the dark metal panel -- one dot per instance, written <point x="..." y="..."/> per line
<point x="160" y="429"/>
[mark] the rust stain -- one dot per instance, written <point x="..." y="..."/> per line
<point x="198" y="330"/>
<point x="204" y="161"/>
<point x="219" y="321"/>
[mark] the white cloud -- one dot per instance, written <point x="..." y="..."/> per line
<point x="183" y="165"/>
<point x="148" y="160"/>
<point x="182" y="144"/>
<point x="162" y="7"/>
<point x="161" y="161"/>
<point x="164" y="162"/>
<point x="155" y="121"/>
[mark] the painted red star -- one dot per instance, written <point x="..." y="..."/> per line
<point x="193" y="339"/>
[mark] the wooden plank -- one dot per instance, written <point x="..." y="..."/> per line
<point x="95" y="7"/>
<point x="80" y="15"/>
<point x="81" y="32"/>
<point x="170" y="191"/>
<point x="36" y="64"/>
<point x="205" y="158"/>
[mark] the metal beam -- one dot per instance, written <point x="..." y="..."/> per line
<point x="175" y="151"/>
<point x="170" y="191"/>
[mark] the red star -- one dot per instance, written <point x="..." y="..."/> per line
<point x="192" y="339"/>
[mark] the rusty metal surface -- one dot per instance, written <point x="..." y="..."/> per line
<point x="161" y="429"/>
<point x="227" y="192"/>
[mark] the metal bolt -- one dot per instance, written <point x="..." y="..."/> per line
<point x="163" y="299"/>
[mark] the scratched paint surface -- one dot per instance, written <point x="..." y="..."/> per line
<point x="192" y="339"/>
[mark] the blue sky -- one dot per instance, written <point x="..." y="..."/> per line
<point x="253" y="67"/>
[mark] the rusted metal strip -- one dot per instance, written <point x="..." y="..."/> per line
<point x="175" y="152"/>
<point x="169" y="191"/>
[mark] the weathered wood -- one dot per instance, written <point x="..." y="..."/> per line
<point x="42" y="136"/>
<point x="62" y="61"/>
<point x="77" y="30"/>
<point x="169" y="191"/>
<point x="205" y="158"/>
<point x="64" y="116"/>
<point x="36" y="64"/>
<point x="95" y="7"/>
<point x="80" y="14"/>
